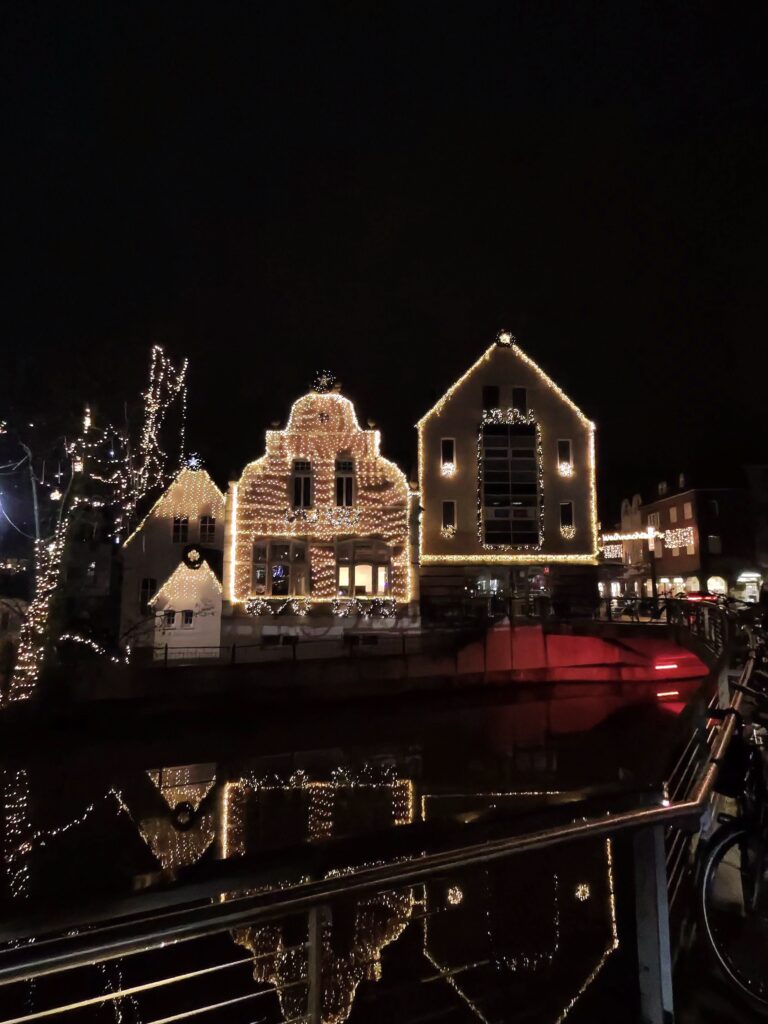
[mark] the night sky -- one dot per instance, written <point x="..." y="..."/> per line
<point x="376" y="189"/>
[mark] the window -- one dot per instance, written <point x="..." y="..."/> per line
<point x="714" y="508"/>
<point x="207" y="529"/>
<point x="302" y="484"/>
<point x="673" y="514"/>
<point x="279" y="568"/>
<point x="449" y="515"/>
<point x="345" y="482"/>
<point x="653" y="520"/>
<point x="687" y="510"/>
<point x="169" y="619"/>
<point x="675" y="552"/>
<point x="566" y="514"/>
<point x="714" y="544"/>
<point x="447" y="456"/>
<point x="180" y="529"/>
<point x="565" y="457"/>
<point x="363" y="568"/>
<point x="147" y="590"/>
<point x="690" y="549"/>
<point x="490" y="397"/>
<point x="187" y="618"/>
<point x="509" y="484"/>
<point x="520" y="399"/>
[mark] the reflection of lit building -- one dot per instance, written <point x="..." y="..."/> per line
<point x="507" y="482"/>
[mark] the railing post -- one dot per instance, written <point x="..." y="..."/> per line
<point x="314" y="966"/>
<point x="652" y="916"/>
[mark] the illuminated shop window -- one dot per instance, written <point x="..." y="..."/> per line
<point x="279" y="568"/>
<point x="363" y="568"/>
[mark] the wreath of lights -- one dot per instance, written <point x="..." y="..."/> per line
<point x="567" y="532"/>
<point x="511" y="416"/>
<point x="366" y="608"/>
<point x="276" y="606"/>
<point x="448" y="532"/>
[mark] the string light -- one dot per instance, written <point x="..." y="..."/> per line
<point x="613" y="551"/>
<point x="93" y="646"/>
<point x="448" y="532"/>
<point x="565" y="469"/>
<point x="448" y="469"/>
<point x="582" y="892"/>
<point x="322" y="427"/>
<point x="682" y="537"/>
<point x="192" y="494"/>
<point x="567" y="532"/>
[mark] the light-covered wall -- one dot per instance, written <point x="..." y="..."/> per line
<point x="459" y="415"/>
<point x="196" y="590"/>
<point x="151" y="551"/>
<point x="321" y="427"/>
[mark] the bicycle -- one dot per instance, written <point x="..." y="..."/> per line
<point x="733" y="881"/>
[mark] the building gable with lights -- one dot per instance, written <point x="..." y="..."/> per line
<point x="321" y="519"/>
<point x="185" y="527"/>
<point x="506" y="477"/>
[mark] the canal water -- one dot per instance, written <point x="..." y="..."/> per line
<point x="223" y="807"/>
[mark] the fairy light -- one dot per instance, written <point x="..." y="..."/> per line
<point x="448" y="469"/>
<point x="507" y="342"/>
<point x="455" y="896"/>
<point x="17" y="837"/>
<point x="85" y="641"/>
<point x="682" y="537"/>
<point x="613" y="551"/>
<point x="567" y="532"/>
<point x="192" y="494"/>
<point x="448" y="532"/>
<point x="322" y="425"/>
<point x="582" y="892"/>
<point x="565" y="469"/>
<point x="648" y="534"/>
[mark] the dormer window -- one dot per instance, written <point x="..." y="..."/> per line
<point x="345" y="482"/>
<point x="302" y="484"/>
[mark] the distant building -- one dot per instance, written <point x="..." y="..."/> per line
<point x="507" y="486"/>
<point x="686" y="540"/>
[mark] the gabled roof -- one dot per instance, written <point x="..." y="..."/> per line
<point x="515" y="349"/>
<point x="180" y="478"/>
<point x="184" y="574"/>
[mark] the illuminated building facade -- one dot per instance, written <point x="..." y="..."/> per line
<point x="507" y="484"/>
<point x="317" y="530"/>
<point x="184" y="528"/>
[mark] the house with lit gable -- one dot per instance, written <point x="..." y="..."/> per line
<point x="507" y="486"/>
<point x="175" y="550"/>
<point x="318" y="537"/>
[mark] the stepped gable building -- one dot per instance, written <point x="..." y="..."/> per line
<point x="185" y="527"/>
<point x="507" y="484"/>
<point x="319" y="525"/>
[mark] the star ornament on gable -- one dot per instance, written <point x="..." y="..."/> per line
<point x="194" y="461"/>
<point x="505" y="338"/>
<point x="324" y="382"/>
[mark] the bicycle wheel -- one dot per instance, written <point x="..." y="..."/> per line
<point x="734" y="906"/>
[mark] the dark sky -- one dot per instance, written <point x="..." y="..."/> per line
<point x="376" y="189"/>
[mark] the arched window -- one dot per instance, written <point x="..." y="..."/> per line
<point x="363" y="568"/>
<point x="279" y="568"/>
<point x="345" y="480"/>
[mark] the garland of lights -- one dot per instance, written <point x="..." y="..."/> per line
<point x="510" y="416"/>
<point x="276" y="606"/>
<point x="682" y="537"/>
<point x="367" y="608"/>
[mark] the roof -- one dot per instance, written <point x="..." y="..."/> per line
<point x="164" y="497"/>
<point x="184" y="574"/>
<point x="515" y="349"/>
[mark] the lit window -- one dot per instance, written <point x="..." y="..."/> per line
<point x="567" y="527"/>
<point x="687" y="510"/>
<point x="302" y="484"/>
<point x="565" y="457"/>
<point x="169" y="619"/>
<point x="449" y="515"/>
<point x="653" y="520"/>
<point x="490" y="397"/>
<point x="345" y="482"/>
<point x="279" y="568"/>
<point x="673" y="514"/>
<point x="520" y="399"/>
<point x="714" y="544"/>
<point x="180" y="529"/>
<point x="363" y="568"/>
<point x="447" y="456"/>
<point x="147" y="590"/>
<point x="207" y="529"/>
<point x="690" y="549"/>
<point x="675" y="552"/>
<point x="187" y="618"/>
